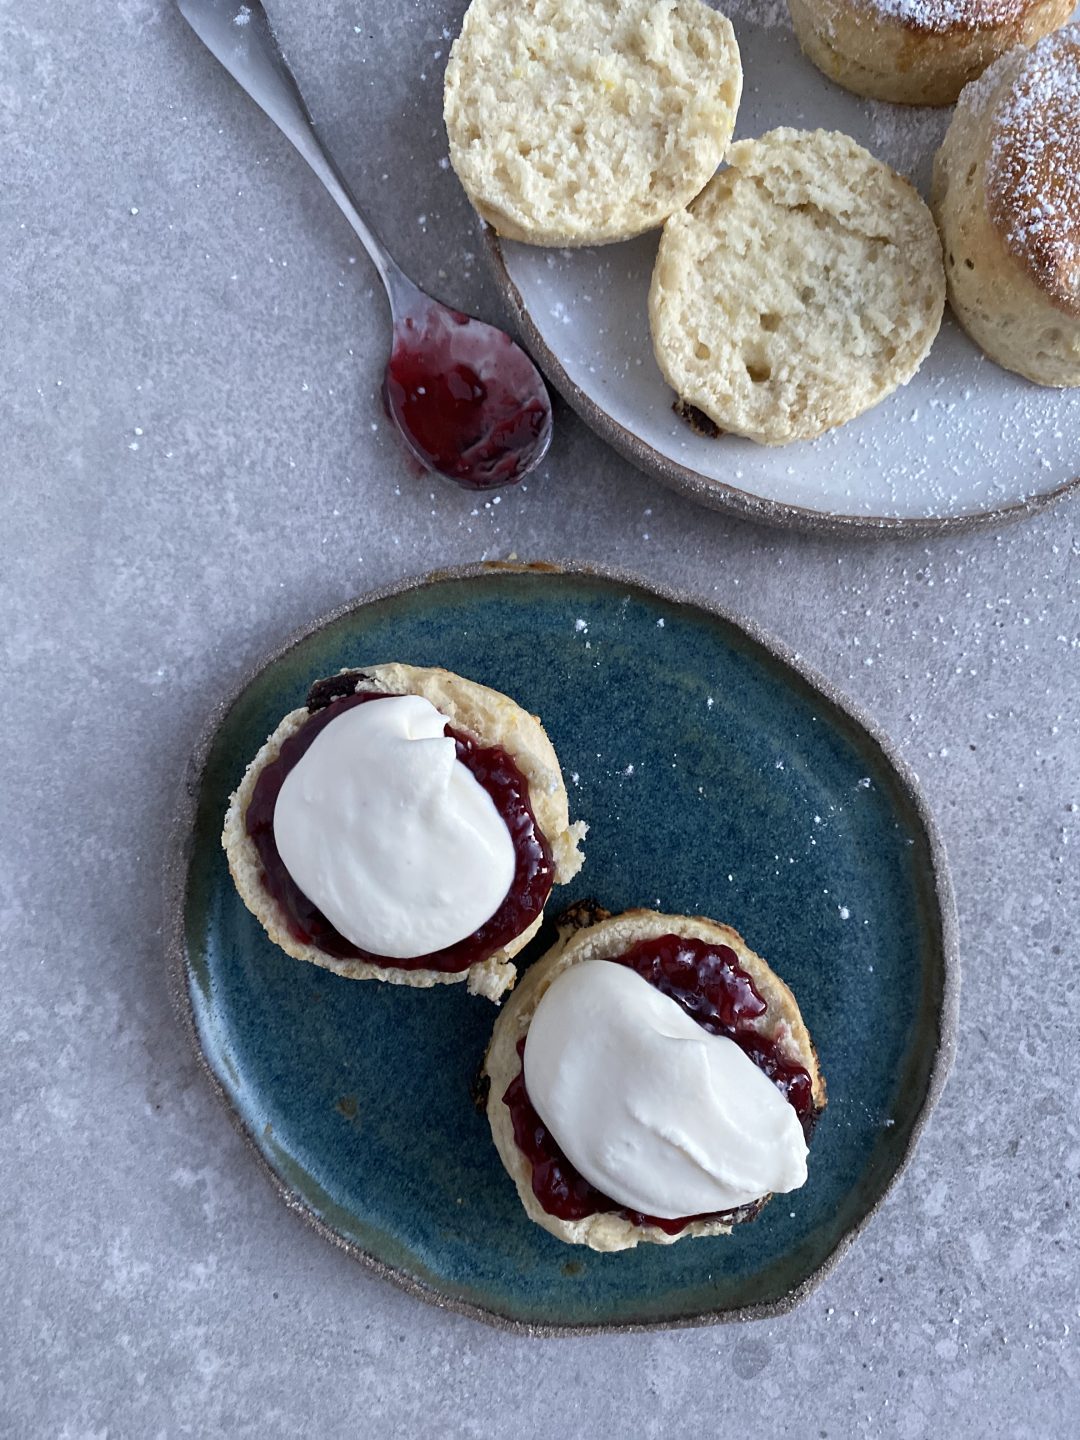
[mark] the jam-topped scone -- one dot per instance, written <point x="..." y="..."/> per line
<point x="1007" y="199"/>
<point x="651" y="1078"/>
<point x="917" y="52"/>
<point x="404" y="825"/>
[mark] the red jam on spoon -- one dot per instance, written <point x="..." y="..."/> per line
<point x="468" y="401"/>
<point x="707" y="982"/>
<point x="500" y="777"/>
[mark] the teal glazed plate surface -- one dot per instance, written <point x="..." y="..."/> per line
<point x="718" y="777"/>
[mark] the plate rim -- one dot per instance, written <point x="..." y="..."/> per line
<point x="179" y="850"/>
<point x="719" y="494"/>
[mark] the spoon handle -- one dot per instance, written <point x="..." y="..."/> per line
<point x="239" y="35"/>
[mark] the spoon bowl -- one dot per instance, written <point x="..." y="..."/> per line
<point x="468" y="401"/>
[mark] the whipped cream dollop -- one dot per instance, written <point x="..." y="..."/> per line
<point x="662" y="1116"/>
<point x="390" y="835"/>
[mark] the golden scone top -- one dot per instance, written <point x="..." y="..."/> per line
<point x="1033" y="171"/>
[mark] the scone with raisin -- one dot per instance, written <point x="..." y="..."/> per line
<point x="801" y="287"/>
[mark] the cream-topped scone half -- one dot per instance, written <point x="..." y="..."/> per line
<point x="651" y="1078"/>
<point x="405" y="825"/>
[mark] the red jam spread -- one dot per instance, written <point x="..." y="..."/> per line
<point x="470" y="401"/>
<point x="500" y="777"/>
<point x="709" y="984"/>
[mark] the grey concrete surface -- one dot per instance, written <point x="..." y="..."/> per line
<point x="195" y="463"/>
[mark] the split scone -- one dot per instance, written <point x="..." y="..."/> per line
<point x="580" y="122"/>
<point x="800" y="288"/>
<point x="917" y="52"/>
<point x="404" y="825"/>
<point x="651" y="1078"/>
<point x="1007" y="199"/>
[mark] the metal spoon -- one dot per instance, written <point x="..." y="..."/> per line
<point x="468" y="401"/>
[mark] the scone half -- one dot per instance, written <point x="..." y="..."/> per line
<point x="491" y="720"/>
<point x="779" y="1029"/>
<point x="801" y="287"/>
<point x="582" y="122"/>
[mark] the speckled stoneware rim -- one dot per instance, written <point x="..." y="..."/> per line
<point x="178" y="856"/>
<point x="717" y="494"/>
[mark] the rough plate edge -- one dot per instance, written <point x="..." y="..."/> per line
<point x="718" y="495"/>
<point x="177" y="859"/>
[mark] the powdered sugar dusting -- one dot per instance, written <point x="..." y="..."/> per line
<point x="1034" y="174"/>
<point x="940" y="16"/>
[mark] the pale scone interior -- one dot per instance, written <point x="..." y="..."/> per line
<point x="801" y="288"/>
<point x="581" y="122"/>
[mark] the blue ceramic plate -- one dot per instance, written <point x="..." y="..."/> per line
<point x="718" y="778"/>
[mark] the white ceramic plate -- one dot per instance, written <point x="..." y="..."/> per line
<point x="964" y="443"/>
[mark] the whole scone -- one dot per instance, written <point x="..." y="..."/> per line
<point x="800" y="288"/>
<point x="581" y="122"/>
<point x="484" y="716"/>
<point x="584" y="938"/>
<point x="1007" y="199"/>
<point x="917" y="52"/>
